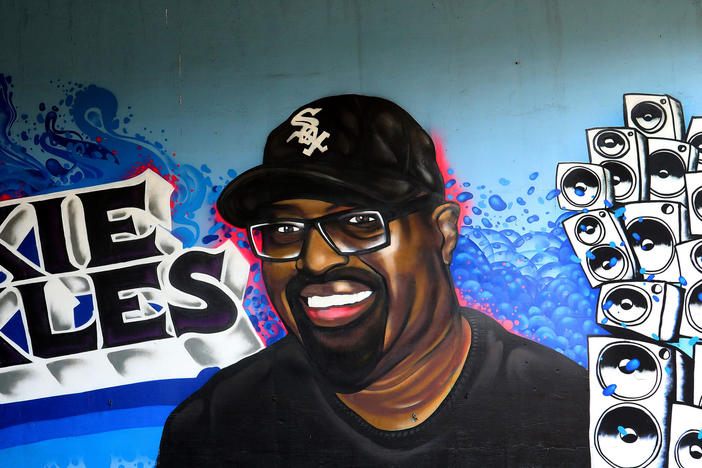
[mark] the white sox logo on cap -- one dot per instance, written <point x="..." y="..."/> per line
<point x="308" y="132"/>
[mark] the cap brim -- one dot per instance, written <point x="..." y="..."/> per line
<point x="242" y="199"/>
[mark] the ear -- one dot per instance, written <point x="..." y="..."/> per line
<point x="446" y="218"/>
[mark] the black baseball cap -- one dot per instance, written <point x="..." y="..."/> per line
<point x="347" y="149"/>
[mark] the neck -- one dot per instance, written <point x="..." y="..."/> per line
<point x="413" y="389"/>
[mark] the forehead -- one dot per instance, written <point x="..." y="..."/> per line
<point x="304" y="208"/>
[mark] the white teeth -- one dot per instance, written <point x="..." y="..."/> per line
<point x="320" y="302"/>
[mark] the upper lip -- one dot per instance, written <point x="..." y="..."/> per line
<point x="332" y="288"/>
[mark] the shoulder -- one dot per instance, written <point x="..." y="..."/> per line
<point x="234" y="398"/>
<point x="523" y="361"/>
<point x="541" y="396"/>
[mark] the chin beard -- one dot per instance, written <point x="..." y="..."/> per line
<point x="344" y="356"/>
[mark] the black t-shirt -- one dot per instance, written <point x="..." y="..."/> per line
<point x="516" y="403"/>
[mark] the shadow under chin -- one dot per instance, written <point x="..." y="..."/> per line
<point x="344" y="356"/>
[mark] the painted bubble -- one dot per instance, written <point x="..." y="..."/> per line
<point x="497" y="203"/>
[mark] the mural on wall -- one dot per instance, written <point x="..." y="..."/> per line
<point x="638" y="204"/>
<point x="117" y="265"/>
<point x="381" y="365"/>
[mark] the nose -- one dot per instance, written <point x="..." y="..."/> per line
<point x="317" y="256"/>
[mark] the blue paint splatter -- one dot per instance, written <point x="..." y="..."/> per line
<point x="609" y="390"/>
<point x="464" y="196"/>
<point x="497" y="203"/>
<point x="619" y="212"/>
<point x="683" y="281"/>
<point x="607" y="305"/>
<point x="533" y="175"/>
<point x="552" y="194"/>
<point x="504" y="181"/>
<point x="632" y="365"/>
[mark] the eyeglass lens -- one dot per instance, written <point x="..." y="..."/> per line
<point x="348" y="233"/>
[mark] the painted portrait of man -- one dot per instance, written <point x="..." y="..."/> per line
<point x="381" y="365"/>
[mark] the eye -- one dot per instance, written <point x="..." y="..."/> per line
<point x="286" y="229"/>
<point x="362" y="219"/>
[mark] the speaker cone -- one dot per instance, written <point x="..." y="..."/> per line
<point x="667" y="173"/>
<point x="696" y="141"/>
<point x="632" y="368"/>
<point x="697" y="202"/>
<point x="653" y="243"/>
<point x="607" y="263"/>
<point x="688" y="450"/>
<point x="581" y="186"/>
<point x="623" y="178"/>
<point x="627" y="304"/>
<point x="696" y="256"/>
<point x="648" y="116"/>
<point x="611" y="143"/>
<point x="589" y="230"/>
<point x="628" y="436"/>
<point x="693" y="306"/>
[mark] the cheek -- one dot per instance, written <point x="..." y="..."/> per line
<point x="405" y="265"/>
<point x="276" y="277"/>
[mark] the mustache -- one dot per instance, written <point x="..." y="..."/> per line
<point x="368" y="278"/>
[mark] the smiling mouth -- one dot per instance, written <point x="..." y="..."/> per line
<point x="323" y="302"/>
<point x="335" y="303"/>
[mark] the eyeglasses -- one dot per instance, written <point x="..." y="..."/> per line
<point x="355" y="231"/>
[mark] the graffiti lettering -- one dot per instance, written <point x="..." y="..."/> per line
<point x="97" y="275"/>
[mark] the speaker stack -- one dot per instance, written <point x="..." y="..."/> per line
<point x="637" y="233"/>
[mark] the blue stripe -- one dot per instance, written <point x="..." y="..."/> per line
<point x="155" y="393"/>
<point x="74" y="426"/>
<point x="130" y="447"/>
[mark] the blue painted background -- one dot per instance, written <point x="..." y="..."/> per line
<point x="508" y="88"/>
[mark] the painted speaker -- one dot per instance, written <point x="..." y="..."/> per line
<point x="689" y="256"/>
<point x="653" y="229"/>
<point x="583" y="186"/>
<point x="648" y="309"/>
<point x="693" y="190"/>
<point x="694" y="133"/>
<point x="685" y="441"/>
<point x="655" y="115"/>
<point x="598" y="240"/>
<point x="667" y="163"/>
<point x="623" y="151"/>
<point x="633" y="385"/>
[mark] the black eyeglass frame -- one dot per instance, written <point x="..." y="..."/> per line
<point x="386" y="216"/>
